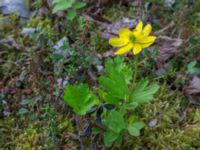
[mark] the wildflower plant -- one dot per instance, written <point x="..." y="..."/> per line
<point x="72" y="6"/>
<point x="114" y="102"/>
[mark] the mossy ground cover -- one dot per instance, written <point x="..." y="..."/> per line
<point x="33" y="114"/>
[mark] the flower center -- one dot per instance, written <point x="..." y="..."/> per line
<point x="132" y="38"/>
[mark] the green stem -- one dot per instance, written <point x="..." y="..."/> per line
<point x="135" y="71"/>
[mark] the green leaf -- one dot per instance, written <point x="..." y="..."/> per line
<point x="109" y="137"/>
<point x="193" y="41"/>
<point x="32" y="117"/>
<point x="118" y="65"/>
<point x="134" y="129"/>
<point x="79" y="5"/>
<point x="115" y="121"/>
<point x="131" y="106"/>
<point x="71" y="14"/>
<point x="117" y="88"/>
<point x="143" y="92"/>
<point x="57" y="1"/>
<point x="96" y="130"/>
<point x="117" y="77"/>
<point x="57" y="57"/>
<point x="61" y="5"/>
<point x="111" y="100"/>
<point x="119" y="141"/>
<point x="23" y="111"/>
<point x="191" y="69"/>
<point x="155" y="52"/>
<point x="26" y="102"/>
<point x="79" y="98"/>
<point x="115" y="124"/>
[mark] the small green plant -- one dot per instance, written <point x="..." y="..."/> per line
<point x="70" y="5"/>
<point x="115" y="100"/>
<point x="192" y="69"/>
<point x="27" y="108"/>
<point x="116" y="94"/>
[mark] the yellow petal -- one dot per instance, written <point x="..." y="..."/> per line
<point x="145" y="45"/>
<point x="124" y="33"/>
<point x="139" y="36"/>
<point x="139" y="27"/>
<point x="148" y="39"/>
<point x="124" y="49"/>
<point x="137" y="49"/>
<point x="118" y="42"/>
<point x="146" y="42"/>
<point x="147" y="30"/>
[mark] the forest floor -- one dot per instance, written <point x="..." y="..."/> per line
<point x="34" y="72"/>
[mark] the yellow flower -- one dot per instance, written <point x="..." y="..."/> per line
<point x="133" y="40"/>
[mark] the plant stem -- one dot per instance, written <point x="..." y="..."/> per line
<point x="135" y="71"/>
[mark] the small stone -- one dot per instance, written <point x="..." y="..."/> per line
<point x="60" y="43"/>
<point x="61" y="83"/>
<point x="28" y="31"/>
<point x="100" y="69"/>
<point x="153" y="123"/>
<point x="169" y="3"/>
<point x="15" y="6"/>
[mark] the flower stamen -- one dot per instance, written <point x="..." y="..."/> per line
<point x="132" y="38"/>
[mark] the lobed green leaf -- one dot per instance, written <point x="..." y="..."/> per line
<point x="71" y="13"/>
<point x="143" y="92"/>
<point x="134" y="128"/>
<point x="79" y="98"/>
<point x="61" y="5"/>
<point x="79" y="5"/>
<point x="117" y="77"/>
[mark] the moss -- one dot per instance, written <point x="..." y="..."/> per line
<point x="8" y="22"/>
<point x="31" y="139"/>
<point x="98" y="44"/>
<point x="117" y="11"/>
<point x="169" y="131"/>
<point x="65" y="125"/>
<point x="50" y="133"/>
<point x="7" y="127"/>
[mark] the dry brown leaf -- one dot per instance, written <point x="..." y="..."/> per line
<point x="109" y="29"/>
<point x="193" y="90"/>
<point x="113" y="28"/>
<point x="109" y="53"/>
<point x="167" y="47"/>
<point x="194" y="86"/>
<point x="102" y="2"/>
<point x="10" y="44"/>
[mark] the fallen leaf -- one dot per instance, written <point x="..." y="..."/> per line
<point x="10" y="44"/>
<point x="28" y="31"/>
<point x="162" y="69"/>
<point x="194" y="86"/>
<point x="114" y="27"/>
<point x="167" y="47"/>
<point x="102" y="3"/>
<point x="109" y="29"/>
<point x="193" y="90"/>
<point x="169" y="3"/>
<point x="109" y="53"/>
